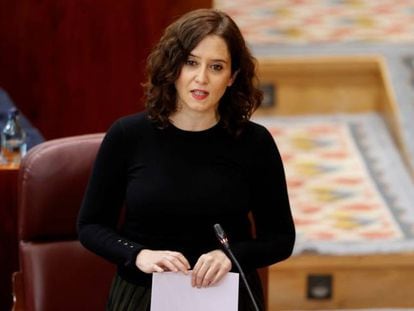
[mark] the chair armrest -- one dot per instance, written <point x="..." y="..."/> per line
<point x="18" y="292"/>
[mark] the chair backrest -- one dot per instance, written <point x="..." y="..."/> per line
<point x="57" y="272"/>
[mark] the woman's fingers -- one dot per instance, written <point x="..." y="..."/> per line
<point x="199" y="275"/>
<point x="174" y="261"/>
<point x="210" y="269"/>
<point x="156" y="268"/>
<point x="178" y="260"/>
<point x="150" y="261"/>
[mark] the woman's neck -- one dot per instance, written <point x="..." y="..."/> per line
<point x="194" y="122"/>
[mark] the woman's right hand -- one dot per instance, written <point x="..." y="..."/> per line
<point x="149" y="261"/>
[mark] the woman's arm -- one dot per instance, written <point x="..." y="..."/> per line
<point x="101" y="207"/>
<point x="275" y="231"/>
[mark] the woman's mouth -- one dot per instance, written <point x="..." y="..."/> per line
<point x="199" y="94"/>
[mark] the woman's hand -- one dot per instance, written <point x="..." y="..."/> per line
<point x="149" y="261"/>
<point x="210" y="269"/>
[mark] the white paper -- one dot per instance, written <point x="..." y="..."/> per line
<point x="172" y="291"/>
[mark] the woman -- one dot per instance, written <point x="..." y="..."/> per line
<point x="191" y="160"/>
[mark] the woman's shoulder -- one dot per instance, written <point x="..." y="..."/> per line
<point x="130" y="126"/>
<point x="139" y="119"/>
<point x="256" y="130"/>
<point x="134" y="123"/>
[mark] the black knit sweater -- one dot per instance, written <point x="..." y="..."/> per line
<point x="175" y="185"/>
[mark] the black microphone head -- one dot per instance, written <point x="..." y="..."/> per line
<point x="219" y="230"/>
<point x="221" y="235"/>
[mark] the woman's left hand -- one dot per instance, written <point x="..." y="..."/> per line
<point x="210" y="269"/>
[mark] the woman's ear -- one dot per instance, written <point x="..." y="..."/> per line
<point x="233" y="77"/>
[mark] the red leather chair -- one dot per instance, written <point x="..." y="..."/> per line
<point x="56" y="272"/>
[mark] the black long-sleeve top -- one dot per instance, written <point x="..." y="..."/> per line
<point x="175" y="185"/>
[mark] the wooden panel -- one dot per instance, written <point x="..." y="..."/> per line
<point x="358" y="282"/>
<point x="322" y="85"/>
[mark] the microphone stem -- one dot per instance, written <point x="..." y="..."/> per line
<point x="246" y="283"/>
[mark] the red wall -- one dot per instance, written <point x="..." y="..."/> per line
<point x="74" y="66"/>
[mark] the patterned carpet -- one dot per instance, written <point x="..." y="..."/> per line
<point x="349" y="190"/>
<point x="323" y="21"/>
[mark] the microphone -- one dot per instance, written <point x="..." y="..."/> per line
<point x="222" y="237"/>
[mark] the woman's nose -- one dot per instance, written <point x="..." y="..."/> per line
<point x="201" y="75"/>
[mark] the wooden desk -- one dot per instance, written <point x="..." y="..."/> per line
<point x="8" y="233"/>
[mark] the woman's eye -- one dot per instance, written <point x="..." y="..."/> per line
<point x="216" y="67"/>
<point x="190" y="62"/>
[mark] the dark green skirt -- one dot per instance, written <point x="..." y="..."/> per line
<point x="125" y="296"/>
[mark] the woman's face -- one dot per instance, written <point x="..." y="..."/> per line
<point x="204" y="77"/>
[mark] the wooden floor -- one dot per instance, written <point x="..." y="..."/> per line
<point x="357" y="282"/>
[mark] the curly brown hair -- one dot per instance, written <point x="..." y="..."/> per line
<point x="168" y="56"/>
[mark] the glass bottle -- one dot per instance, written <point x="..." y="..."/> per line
<point x="13" y="140"/>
